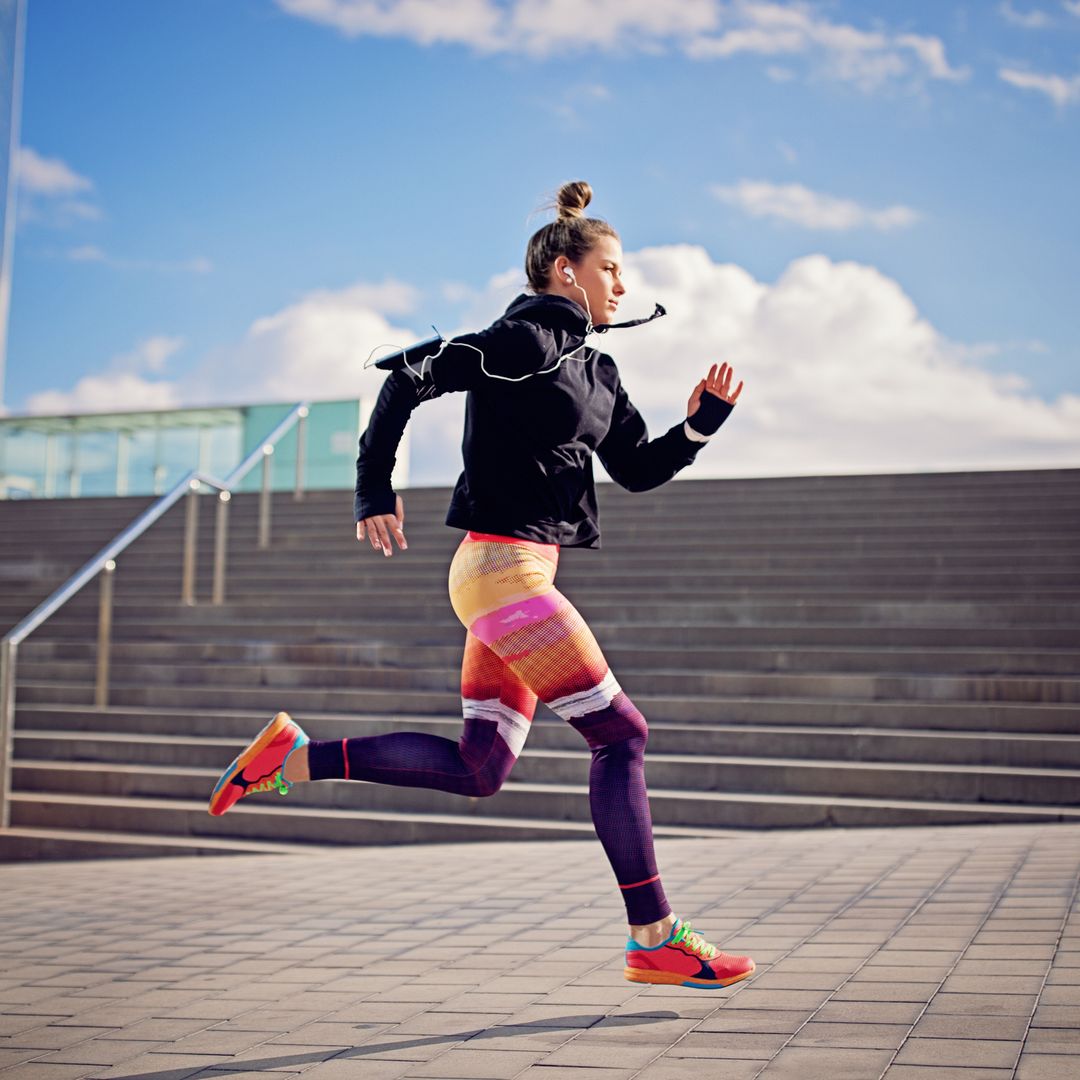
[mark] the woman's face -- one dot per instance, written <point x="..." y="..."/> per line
<point x="596" y="278"/>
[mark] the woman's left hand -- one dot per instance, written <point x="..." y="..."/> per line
<point x="717" y="382"/>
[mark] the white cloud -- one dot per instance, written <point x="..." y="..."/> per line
<point x="121" y="386"/>
<point x="316" y="347"/>
<point x="810" y="209"/>
<point x="1033" y="19"/>
<point x="109" y="392"/>
<point x="50" y="191"/>
<point x="39" y="175"/>
<point x="1071" y="6"/>
<point x="703" y="29"/>
<point x="151" y="354"/>
<point x="1060" y="90"/>
<point x="842" y="372"/>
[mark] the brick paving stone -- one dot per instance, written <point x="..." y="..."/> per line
<point x="978" y="984"/>
<point x="962" y="1053"/>
<point x="468" y="1064"/>
<point x="466" y="1025"/>
<point x="34" y="1070"/>
<point x="765" y="1021"/>
<point x="101" y="1052"/>
<point x="373" y="1012"/>
<point x="12" y="1057"/>
<point x="932" y="973"/>
<point x="869" y="1036"/>
<point x="1056" y="1016"/>
<point x="874" y="991"/>
<point x="983" y="1004"/>
<point x="751" y="998"/>
<point x="346" y="1068"/>
<point x="669" y="1068"/>
<point x="801" y="1062"/>
<point x="418" y="1048"/>
<point x="728" y="1045"/>
<point x="1046" y="1067"/>
<point x="590" y="1056"/>
<point x="164" y="1065"/>
<point x="939" y="1072"/>
<point x="521" y="1037"/>
<point x="271" y="1019"/>
<point x="53" y="1037"/>
<point x="870" y="1012"/>
<point x="946" y="1026"/>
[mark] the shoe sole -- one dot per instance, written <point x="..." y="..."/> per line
<point x="248" y="754"/>
<point x="673" y="978"/>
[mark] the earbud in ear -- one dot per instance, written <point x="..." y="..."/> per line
<point x="569" y="274"/>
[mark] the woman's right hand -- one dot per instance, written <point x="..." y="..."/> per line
<point x="379" y="529"/>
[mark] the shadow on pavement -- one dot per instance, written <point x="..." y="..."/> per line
<point x="498" y="1031"/>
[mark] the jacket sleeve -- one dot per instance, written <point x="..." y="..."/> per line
<point x="403" y="389"/>
<point x="635" y="462"/>
<point x="509" y="349"/>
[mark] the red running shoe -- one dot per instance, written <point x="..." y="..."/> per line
<point x="685" y="959"/>
<point x="260" y="765"/>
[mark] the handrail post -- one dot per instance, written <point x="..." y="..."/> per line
<point x="264" y="500"/>
<point x="221" y="546"/>
<point x="191" y="539"/>
<point x="104" y="644"/>
<point x="301" y="428"/>
<point x="8" y="651"/>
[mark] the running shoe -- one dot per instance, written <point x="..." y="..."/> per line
<point x="685" y="959"/>
<point x="260" y="764"/>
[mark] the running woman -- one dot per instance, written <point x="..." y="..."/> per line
<point x="540" y="403"/>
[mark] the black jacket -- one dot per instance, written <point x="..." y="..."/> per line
<point x="528" y="444"/>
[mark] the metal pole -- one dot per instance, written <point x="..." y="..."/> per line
<point x="50" y="465"/>
<point x="264" y="500"/>
<point x="301" y="427"/>
<point x="221" y="546"/>
<point x="104" y="640"/>
<point x="8" y="650"/>
<point x="123" y="448"/>
<point x="191" y="538"/>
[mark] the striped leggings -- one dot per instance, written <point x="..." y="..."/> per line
<point x="525" y="642"/>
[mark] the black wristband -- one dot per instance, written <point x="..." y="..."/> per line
<point x="712" y="412"/>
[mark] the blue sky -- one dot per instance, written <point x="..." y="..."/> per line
<point x="221" y="200"/>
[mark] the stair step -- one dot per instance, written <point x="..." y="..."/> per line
<point x="26" y="844"/>
<point x="295" y="824"/>
<point x="137" y="736"/>
<point x="76" y="660"/>
<point x="331" y="825"/>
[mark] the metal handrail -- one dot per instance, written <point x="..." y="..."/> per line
<point x="105" y="562"/>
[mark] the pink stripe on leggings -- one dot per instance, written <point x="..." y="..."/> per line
<point x="499" y="623"/>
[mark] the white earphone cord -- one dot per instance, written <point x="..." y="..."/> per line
<point x="490" y="374"/>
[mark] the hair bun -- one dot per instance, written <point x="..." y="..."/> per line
<point x="572" y="199"/>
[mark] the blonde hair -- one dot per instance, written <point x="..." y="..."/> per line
<point x="571" y="234"/>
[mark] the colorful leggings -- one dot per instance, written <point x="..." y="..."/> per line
<point x="525" y="641"/>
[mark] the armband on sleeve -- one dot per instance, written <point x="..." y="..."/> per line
<point x="712" y="412"/>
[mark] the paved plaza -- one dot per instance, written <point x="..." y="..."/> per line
<point x="917" y="954"/>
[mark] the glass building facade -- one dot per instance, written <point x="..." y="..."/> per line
<point x="146" y="453"/>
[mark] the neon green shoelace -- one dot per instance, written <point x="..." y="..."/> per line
<point x="277" y="783"/>
<point x="686" y="936"/>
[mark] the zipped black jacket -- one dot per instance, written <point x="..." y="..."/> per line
<point x="528" y="444"/>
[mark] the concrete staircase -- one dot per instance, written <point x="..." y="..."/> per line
<point x="861" y="650"/>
